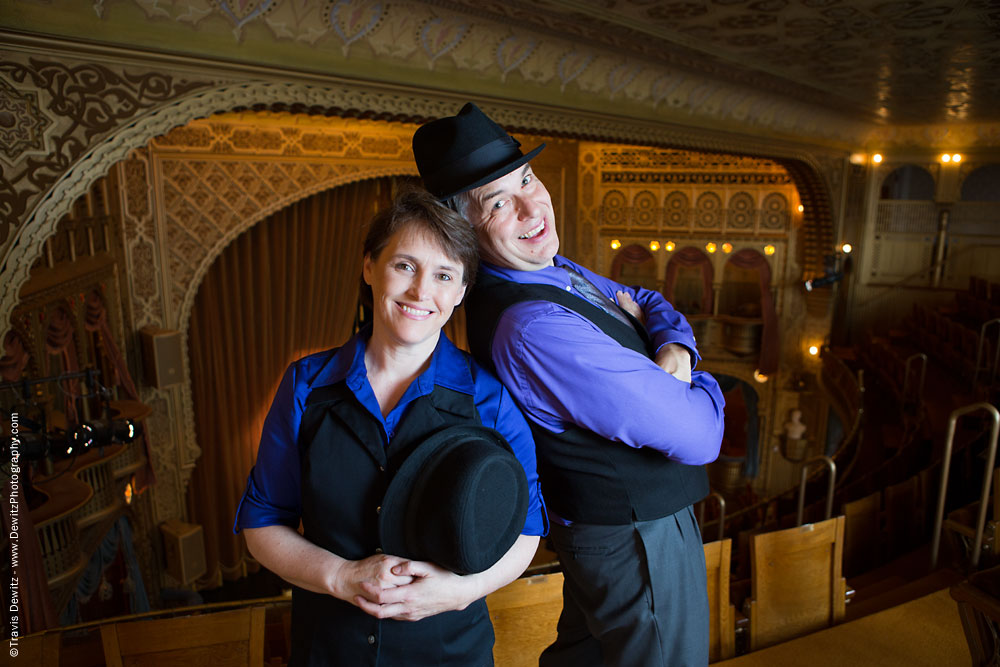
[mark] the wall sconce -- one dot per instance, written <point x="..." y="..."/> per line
<point x="654" y="245"/>
<point x="813" y="350"/>
<point x="670" y="246"/>
<point x="727" y="248"/>
<point x="877" y="158"/>
<point x="946" y="158"/>
<point x="956" y="158"/>
<point x="769" y="249"/>
<point x="759" y="377"/>
<point x="801" y="208"/>
<point x="846" y="248"/>
<point x="710" y="247"/>
<point x="615" y="244"/>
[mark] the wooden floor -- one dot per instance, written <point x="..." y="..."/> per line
<point x="923" y="632"/>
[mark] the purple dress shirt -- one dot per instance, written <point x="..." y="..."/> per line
<point x="562" y="369"/>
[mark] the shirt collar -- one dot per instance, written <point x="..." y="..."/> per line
<point x="548" y="275"/>
<point x="449" y="367"/>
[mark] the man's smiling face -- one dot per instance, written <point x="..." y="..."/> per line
<point x="514" y="221"/>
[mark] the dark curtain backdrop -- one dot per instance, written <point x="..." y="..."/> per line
<point x="285" y="288"/>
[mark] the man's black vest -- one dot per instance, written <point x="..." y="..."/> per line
<point x="587" y="478"/>
<point x="346" y="469"/>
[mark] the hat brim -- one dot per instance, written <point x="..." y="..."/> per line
<point x="496" y="173"/>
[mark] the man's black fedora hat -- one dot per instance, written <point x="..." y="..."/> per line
<point x="458" y="153"/>
<point x="459" y="500"/>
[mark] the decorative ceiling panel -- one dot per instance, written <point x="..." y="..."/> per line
<point x="901" y="61"/>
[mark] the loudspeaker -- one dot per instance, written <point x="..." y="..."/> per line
<point x="184" y="549"/>
<point x="162" y="359"/>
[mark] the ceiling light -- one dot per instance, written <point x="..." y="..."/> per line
<point x="710" y="247"/>
<point x="615" y="244"/>
<point x="654" y="245"/>
<point x="877" y="158"/>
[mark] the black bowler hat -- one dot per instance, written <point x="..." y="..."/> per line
<point x="459" y="153"/>
<point x="459" y="500"/>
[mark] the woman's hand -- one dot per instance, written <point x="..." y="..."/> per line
<point x="429" y="590"/>
<point x="362" y="581"/>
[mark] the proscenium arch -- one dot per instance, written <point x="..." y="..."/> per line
<point x="374" y="101"/>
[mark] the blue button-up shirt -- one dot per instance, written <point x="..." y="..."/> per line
<point x="562" y="369"/>
<point x="273" y="494"/>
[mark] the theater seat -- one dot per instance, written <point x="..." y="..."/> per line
<point x="222" y="639"/>
<point x="796" y="582"/>
<point x="525" y="613"/>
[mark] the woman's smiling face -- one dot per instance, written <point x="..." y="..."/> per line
<point x="415" y="287"/>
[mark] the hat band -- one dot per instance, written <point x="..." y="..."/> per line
<point x="482" y="159"/>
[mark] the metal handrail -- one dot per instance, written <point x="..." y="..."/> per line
<point x="829" y="491"/>
<point x="722" y="512"/>
<point x="979" y="352"/>
<point x="906" y="375"/>
<point x="987" y="479"/>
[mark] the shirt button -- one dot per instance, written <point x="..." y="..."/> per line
<point x="381" y="469"/>
<point x="371" y="639"/>
<point x="378" y="510"/>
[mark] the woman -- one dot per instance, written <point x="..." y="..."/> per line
<point x="331" y="443"/>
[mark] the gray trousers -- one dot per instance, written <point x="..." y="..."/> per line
<point x="634" y="595"/>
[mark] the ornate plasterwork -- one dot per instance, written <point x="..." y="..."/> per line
<point x="22" y="123"/>
<point x="83" y="149"/>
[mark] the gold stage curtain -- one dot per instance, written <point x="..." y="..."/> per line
<point x="285" y="288"/>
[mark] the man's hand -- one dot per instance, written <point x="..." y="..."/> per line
<point x="626" y="303"/>
<point x="432" y="590"/>
<point x="676" y="360"/>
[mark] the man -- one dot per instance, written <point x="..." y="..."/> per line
<point x="622" y="424"/>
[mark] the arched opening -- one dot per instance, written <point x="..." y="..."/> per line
<point x="688" y="282"/>
<point x="982" y="184"/>
<point x="908" y="182"/>
<point x="635" y="265"/>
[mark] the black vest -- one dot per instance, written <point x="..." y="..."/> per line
<point x="587" y="478"/>
<point x="346" y="468"/>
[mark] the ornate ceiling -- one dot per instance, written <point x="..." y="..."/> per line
<point x="898" y="61"/>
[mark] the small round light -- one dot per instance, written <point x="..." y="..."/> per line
<point x="759" y="377"/>
<point x="615" y="244"/>
<point x="654" y="245"/>
<point x="710" y="247"/>
<point x="846" y="248"/>
<point x="727" y="248"/>
<point x="813" y="350"/>
<point x="946" y="158"/>
<point x="670" y="246"/>
<point x="957" y="157"/>
<point x="877" y="158"/>
<point x="769" y="249"/>
<point x="801" y="208"/>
